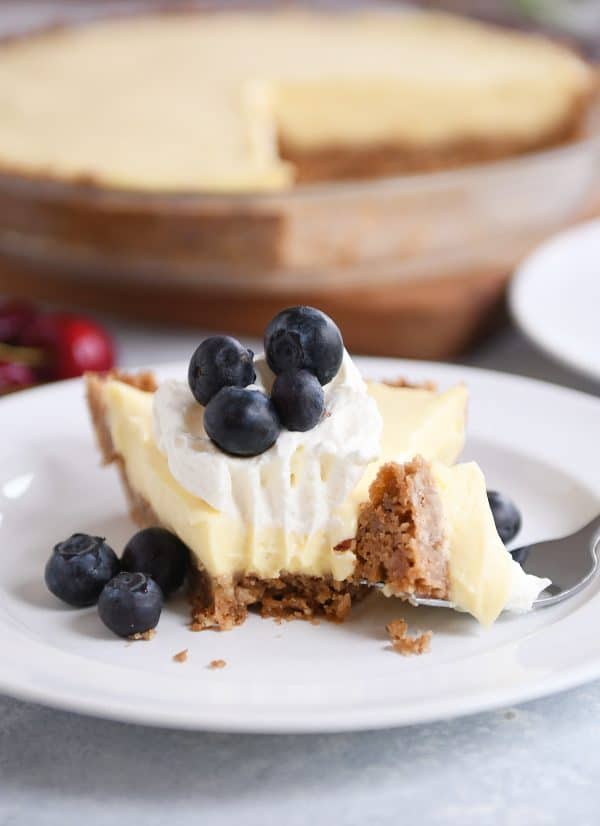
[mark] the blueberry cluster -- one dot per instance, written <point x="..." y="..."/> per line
<point x="130" y="591"/>
<point x="303" y="347"/>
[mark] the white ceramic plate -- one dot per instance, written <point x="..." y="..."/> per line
<point x="555" y="298"/>
<point x="537" y="442"/>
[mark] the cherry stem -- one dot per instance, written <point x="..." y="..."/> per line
<point x="30" y="356"/>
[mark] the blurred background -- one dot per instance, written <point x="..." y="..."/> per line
<point x="414" y="265"/>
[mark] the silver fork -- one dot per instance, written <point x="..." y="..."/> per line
<point x="570" y="563"/>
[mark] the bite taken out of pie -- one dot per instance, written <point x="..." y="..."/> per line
<point x="243" y="100"/>
<point x="355" y="485"/>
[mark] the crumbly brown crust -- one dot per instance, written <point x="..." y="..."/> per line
<point x="94" y="383"/>
<point x="223" y="602"/>
<point x="403" y="642"/>
<point x="215" y="664"/>
<point x="399" y="541"/>
<point x="181" y="656"/>
<point x="400" y="538"/>
<point x="143" y="635"/>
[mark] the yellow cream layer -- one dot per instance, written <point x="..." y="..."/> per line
<point x="484" y="579"/>
<point x="415" y="421"/>
<point x="189" y="102"/>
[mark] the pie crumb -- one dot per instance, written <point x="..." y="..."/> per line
<point x="405" y="644"/>
<point x="213" y="664"/>
<point x="145" y="635"/>
<point x="181" y="656"/>
<point x="204" y="625"/>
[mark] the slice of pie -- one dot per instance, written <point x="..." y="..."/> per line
<point x="368" y="495"/>
<point x="236" y="101"/>
<point x="427" y="530"/>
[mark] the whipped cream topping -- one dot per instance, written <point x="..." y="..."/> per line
<point x="524" y="589"/>
<point x="300" y="481"/>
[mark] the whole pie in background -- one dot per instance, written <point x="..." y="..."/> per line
<point x="185" y="167"/>
<point x="242" y="101"/>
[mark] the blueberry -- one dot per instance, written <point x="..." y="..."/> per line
<point x="79" y="568"/>
<point x="299" y="399"/>
<point x="506" y="515"/>
<point x="220" y="361"/>
<point x="242" y="422"/>
<point x="304" y="338"/>
<point x="130" y="604"/>
<point x="160" y="554"/>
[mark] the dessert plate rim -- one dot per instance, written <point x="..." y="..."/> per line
<point x="539" y="279"/>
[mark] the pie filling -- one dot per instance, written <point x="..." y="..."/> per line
<point x="241" y="101"/>
<point x="405" y="517"/>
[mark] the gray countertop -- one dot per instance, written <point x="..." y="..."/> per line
<point x="535" y="764"/>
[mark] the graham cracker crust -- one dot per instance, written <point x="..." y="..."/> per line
<point x="223" y="603"/>
<point x="399" y="541"/>
<point x="94" y="383"/>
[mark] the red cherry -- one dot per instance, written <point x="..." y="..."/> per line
<point x="15" y="376"/>
<point x="73" y="345"/>
<point x="14" y="317"/>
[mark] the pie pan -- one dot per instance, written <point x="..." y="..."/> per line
<point x="412" y="264"/>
